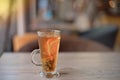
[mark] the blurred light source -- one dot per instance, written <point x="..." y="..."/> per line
<point x="4" y="6"/>
<point x="112" y="4"/>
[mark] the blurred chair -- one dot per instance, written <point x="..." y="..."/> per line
<point x="69" y="44"/>
<point x="105" y="35"/>
<point x="20" y="41"/>
<point x="29" y="47"/>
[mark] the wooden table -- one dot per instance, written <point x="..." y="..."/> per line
<point x="79" y="66"/>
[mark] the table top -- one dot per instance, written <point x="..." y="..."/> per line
<point x="72" y="66"/>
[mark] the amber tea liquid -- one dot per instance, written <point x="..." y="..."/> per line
<point x="49" y="46"/>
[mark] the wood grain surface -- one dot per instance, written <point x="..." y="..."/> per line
<point x="80" y="66"/>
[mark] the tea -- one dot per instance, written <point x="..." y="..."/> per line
<point x="49" y="46"/>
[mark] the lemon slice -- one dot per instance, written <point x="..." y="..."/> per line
<point x="50" y="44"/>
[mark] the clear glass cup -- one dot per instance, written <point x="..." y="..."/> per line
<point x="49" y="41"/>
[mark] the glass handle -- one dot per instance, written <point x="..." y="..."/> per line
<point x="33" y="54"/>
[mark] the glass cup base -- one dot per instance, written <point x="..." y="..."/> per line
<point x="50" y="74"/>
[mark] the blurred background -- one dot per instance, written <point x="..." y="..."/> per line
<point x="84" y="21"/>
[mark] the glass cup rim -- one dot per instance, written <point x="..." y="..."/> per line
<point x="48" y="30"/>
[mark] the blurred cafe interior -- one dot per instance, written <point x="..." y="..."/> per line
<point x="85" y="25"/>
